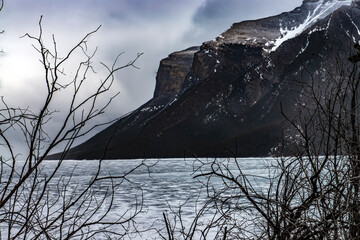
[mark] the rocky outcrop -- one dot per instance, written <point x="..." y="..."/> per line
<point x="172" y="72"/>
<point x="224" y="99"/>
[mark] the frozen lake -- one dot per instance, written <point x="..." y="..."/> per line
<point x="157" y="186"/>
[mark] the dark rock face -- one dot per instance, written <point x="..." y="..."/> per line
<point x="224" y="99"/>
<point x="172" y="72"/>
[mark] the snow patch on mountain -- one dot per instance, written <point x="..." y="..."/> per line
<point x="321" y="10"/>
<point x="352" y="21"/>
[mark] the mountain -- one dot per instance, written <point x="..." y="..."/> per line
<point x="224" y="98"/>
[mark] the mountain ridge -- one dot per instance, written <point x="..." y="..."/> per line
<point x="223" y="98"/>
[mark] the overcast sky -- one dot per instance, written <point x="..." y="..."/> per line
<point x="154" y="27"/>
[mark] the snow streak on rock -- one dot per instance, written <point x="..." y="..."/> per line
<point x="322" y="9"/>
<point x="357" y="28"/>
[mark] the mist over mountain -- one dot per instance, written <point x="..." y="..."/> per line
<point x="225" y="97"/>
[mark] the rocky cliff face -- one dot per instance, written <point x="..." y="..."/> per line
<point x="172" y="73"/>
<point x="223" y="99"/>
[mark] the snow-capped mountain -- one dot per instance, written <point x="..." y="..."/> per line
<point x="223" y="99"/>
<point x="316" y="10"/>
<point x="283" y="27"/>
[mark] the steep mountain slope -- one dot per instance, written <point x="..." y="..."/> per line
<point x="224" y="98"/>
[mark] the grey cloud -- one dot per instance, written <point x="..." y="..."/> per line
<point x="215" y="16"/>
<point x="154" y="27"/>
<point x="235" y="10"/>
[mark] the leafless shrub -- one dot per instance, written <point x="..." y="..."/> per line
<point x="314" y="193"/>
<point x="39" y="204"/>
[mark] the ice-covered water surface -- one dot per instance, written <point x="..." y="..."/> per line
<point x="159" y="185"/>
